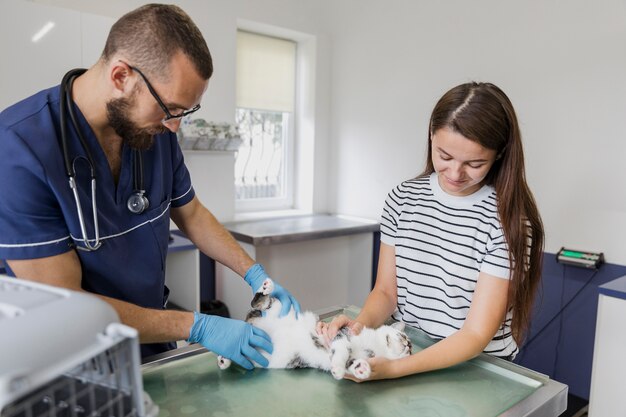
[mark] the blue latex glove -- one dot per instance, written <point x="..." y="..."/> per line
<point x="255" y="277"/>
<point x="233" y="339"/>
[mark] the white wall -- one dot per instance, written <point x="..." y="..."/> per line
<point x="383" y="64"/>
<point x="562" y="63"/>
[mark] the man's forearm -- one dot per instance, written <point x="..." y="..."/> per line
<point x="217" y="242"/>
<point x="210" y="237"/>
<point x="154" y="325"/>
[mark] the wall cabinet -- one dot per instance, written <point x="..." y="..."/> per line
<point x="76" y="40"/>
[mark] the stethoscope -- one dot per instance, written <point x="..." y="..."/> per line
<point x="137" y="203"/>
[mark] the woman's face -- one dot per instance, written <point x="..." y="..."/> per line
<point x="461" y="164"/>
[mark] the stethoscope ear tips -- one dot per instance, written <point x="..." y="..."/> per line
<point x="137" y="202"/>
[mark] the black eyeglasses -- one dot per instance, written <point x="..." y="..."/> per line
<point x="168" y="116"/>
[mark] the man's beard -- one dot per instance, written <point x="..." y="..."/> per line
<point x="132" y="135"/>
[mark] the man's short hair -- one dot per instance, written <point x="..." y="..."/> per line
<point x="151" y="35"/>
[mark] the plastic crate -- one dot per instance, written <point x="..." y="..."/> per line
<point x="64" y="353"/>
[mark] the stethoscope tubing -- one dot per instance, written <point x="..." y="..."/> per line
<point x="66" y="109"/>
<point x="81" y="219"/>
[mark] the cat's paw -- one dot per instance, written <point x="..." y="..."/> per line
<point x="267" y="287"/>
<point x="360" y="368"/>
<point x="337" y="372"/>
<point x="262" y="299"/>
<point x="222" y="362"/>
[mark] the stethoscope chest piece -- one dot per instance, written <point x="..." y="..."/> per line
<point x="137" y="202"/>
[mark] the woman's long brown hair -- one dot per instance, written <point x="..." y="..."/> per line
<point x="483" y="113"/>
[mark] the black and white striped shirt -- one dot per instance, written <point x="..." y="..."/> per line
<point x="442" y="243"/>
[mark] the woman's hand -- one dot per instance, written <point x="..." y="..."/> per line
<point x="380" y="368"/>
<point x="330" y="330"/>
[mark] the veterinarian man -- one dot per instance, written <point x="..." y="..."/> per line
<point x="109" y="132"/>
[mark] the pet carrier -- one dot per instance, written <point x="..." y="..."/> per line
<point x="64" y="353"/>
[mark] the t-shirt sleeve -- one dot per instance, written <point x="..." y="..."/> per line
<point x="31" y="220"/>
<point x="496" y="261"/>
<point x="182" y="190"/>
<point x="390" y="216"/>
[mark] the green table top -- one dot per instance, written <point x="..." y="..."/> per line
<point x="189" y="382"/>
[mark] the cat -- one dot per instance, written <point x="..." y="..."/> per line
<point x="297" y="344"/>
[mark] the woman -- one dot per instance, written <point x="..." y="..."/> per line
<point x="461" y="244"/>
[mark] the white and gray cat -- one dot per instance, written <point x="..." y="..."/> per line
<point x="297" y="344"/>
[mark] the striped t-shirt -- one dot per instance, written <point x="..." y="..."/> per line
<point x="442" y="242"/>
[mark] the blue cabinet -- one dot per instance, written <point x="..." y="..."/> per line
<point x="560" y="342"/>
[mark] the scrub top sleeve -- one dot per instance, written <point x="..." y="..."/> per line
<point x="496" y="261"/>
<point x="31" y="221"/>
<point x="182" y="190"/>
<point x="390" y="216"/>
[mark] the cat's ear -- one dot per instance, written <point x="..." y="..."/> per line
<point x="398" y="325"/>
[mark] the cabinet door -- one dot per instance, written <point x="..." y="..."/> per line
<point x="74" y="40"/>
<point x="28" y="66"/>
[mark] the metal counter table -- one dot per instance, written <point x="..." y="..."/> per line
<point x="298" y="228"/>
<point x="188" y="382"/>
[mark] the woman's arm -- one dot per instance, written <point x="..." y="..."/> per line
<point x="484" y="318"/>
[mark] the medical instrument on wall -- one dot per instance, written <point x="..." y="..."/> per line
<point x="137" y="202"/>
<point x="581" y="259"/>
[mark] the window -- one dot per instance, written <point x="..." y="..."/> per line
<point x="266" y="72"/>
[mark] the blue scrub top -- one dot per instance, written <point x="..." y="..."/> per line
<point x="38" y="215"/>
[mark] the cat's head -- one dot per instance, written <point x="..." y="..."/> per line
<point x="398" y="343"/>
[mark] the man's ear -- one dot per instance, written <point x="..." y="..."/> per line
<point x="119" y="76"/>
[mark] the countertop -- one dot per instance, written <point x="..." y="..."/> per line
<point x="615" y="288"/>
<point x="298" y="228"/>
<point x="179" y="242"/>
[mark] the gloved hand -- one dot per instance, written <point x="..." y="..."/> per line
<point x="255" y="277"/>
<point x="233" y="339"/>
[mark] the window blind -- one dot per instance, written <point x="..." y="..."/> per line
<point x="266" y="68"/>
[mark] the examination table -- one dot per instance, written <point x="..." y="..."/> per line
<point x="187" y="382"/>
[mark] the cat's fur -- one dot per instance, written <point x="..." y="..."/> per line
<point x="297" y="344"/>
